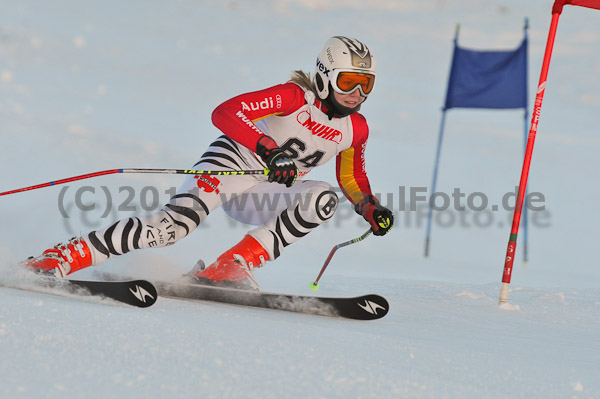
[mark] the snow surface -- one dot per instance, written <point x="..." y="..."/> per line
<point x="440" y="340"/>
<point x="89" y="87"/>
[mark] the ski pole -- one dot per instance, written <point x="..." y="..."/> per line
<point x="315" y="284"/>
<point x="264" y="171"/>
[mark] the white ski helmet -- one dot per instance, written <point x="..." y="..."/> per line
<point x="344" y="64"/>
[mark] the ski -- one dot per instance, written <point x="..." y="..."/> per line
<point x="364" y="307"/>
<point x="140" y="293"/>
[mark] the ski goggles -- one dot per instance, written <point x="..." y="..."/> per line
<point x="345" y="82"/>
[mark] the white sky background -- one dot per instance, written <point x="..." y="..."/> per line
<point x="86" y="88"/>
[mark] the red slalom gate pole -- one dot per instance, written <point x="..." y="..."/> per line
<point x="512" y="241"/>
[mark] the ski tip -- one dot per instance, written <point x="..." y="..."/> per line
<point x="143" y="293"/>
<point x="371" y="307"/>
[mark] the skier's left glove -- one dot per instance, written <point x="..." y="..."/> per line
<point x="379" y="217"/>
<point x="282" y="168"/>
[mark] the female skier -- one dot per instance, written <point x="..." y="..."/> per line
<point x="290" y="129"/>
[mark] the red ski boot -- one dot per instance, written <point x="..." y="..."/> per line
<point x="234" y="267"/>
<point x="62" y="260"/>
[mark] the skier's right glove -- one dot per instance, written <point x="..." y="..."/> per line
<point x="282" y="168"/>
<point x="379" y="217"/>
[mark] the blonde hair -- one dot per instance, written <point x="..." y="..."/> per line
<point x="303" y="80"/>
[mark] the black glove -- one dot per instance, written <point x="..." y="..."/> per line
<point x="282" y="168"/>
<point x="379" y="217"/>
